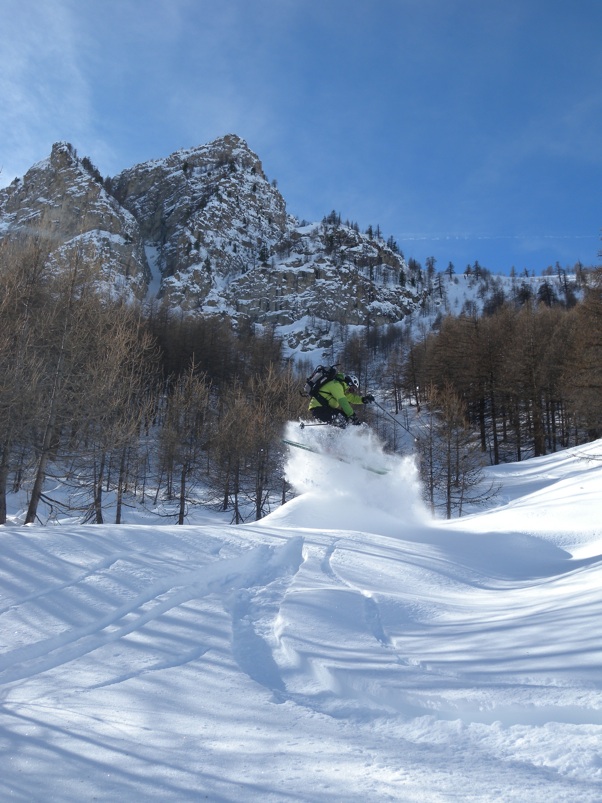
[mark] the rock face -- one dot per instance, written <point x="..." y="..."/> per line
<point x="207" y="213"/>
<point x="205" y="232"/>
<point x="62" y="201"/>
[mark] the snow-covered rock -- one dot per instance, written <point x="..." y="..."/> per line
<point x="62" y="202"/>
<point x="206" y="233"/>
<point x="221" y="239"/>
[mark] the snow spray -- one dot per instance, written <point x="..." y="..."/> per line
<point x="340" y="489"/>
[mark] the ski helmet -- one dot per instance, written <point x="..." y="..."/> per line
<point x="352" y="381"/>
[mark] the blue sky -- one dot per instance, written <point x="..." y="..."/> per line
<point x="466" y="129"/>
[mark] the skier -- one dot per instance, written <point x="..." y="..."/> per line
<point x="332" y="402"/>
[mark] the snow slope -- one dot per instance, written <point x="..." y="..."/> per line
<point x="345" y="648"/>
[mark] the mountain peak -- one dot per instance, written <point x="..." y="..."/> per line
<point x="216" y="237"/>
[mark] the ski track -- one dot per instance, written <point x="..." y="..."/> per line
<point x="260" y="565"/>
<point x="371" y="608"/>
<point x="405" y="664"/>
<point x="265" y="591"/>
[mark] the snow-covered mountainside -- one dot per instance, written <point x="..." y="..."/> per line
<point x="204" y="231"/>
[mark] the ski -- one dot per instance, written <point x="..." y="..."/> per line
<point x="312" y="449"/>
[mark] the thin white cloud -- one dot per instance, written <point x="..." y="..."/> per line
<point x="43" y="93"/>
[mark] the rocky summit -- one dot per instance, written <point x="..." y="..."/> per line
<point x="204" y="232"/>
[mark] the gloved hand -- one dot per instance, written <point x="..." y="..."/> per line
<point x="353" y="419"/>
<point x="368" y="399"/>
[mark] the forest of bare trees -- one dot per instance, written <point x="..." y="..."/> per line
<point x="521" y="381"/>
<point x="528" y="375"/>
<point x="117" y="403"/>
<point x="112" y="403"/>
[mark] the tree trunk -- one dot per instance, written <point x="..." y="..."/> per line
<point x="98" y="490"/>
<point x="36" y="493"/>
<point x="3" y="483"/>
<point x="120" y="484"/>
<point x="182" y="510"/>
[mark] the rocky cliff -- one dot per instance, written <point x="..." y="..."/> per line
<point x="205" y="232"/>
<point x="62" y="201"/>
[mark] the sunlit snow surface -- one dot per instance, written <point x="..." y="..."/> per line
<point x="345" y="648"/>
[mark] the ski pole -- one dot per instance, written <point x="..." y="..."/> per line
<point x="386" y="412"/>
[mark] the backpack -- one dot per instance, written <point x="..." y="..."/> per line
<point x="320" y="376"/>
